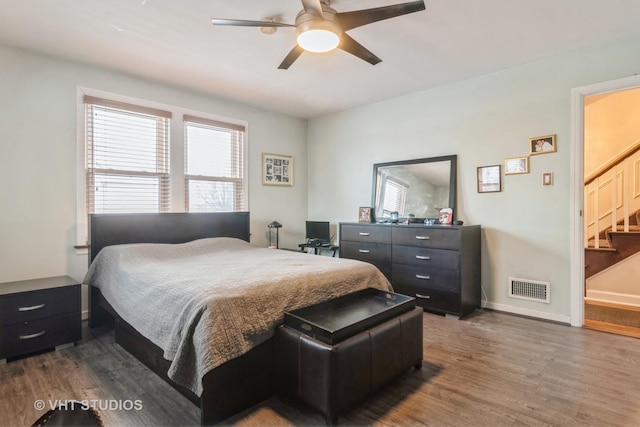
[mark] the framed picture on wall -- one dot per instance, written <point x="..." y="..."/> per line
<point x="277" y="169"/>
<point x="515" y="165"/>
<point x="489" y="179"/>
<point x="542" y="144"/>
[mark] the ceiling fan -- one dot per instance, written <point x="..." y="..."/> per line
<point x="319" y="28"/>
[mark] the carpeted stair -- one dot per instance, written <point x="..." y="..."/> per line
<point x="614" y="247"/>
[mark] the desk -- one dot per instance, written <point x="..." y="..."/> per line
<point x="317" y="249"/>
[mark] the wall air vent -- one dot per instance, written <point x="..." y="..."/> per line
<point x="532" y="290"/>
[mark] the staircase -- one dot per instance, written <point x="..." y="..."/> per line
<point x="614" y="246"/>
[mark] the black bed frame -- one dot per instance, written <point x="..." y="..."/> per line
<point x="231" y="387"/>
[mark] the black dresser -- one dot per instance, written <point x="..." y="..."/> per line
<point x="38" y="314"/>
<point x="439" y="265"/>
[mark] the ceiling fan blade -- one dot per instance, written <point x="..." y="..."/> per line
<point x="357" y="18"/>
<point x="313" y="7"/>
<point x="244" y="23"/>
<point x="291" y="57"/>
<point x="348" y="44"/>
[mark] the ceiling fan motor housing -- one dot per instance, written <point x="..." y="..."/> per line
<point x="308" y="22"/>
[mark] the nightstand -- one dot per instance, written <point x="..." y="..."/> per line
<point x="38" y="314"/>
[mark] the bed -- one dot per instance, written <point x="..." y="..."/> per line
<point x="222" y="364"/>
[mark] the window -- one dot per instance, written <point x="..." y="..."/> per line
<point x="214" y="166"/>
<point x="140" y="156"/>
<point x="393" y="194"/>
<point x="127" y="168"/>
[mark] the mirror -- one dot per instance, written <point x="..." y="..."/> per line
<point x="416" y="189"/>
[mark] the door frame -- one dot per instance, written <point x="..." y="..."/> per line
<point x="577" y="187"/>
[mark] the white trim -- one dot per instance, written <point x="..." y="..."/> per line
<point x="527" y="312"/>
<point x="577" y="188"/>
<point x="613" y="297"/>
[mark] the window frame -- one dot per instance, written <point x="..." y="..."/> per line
<point x="176" y="154"/>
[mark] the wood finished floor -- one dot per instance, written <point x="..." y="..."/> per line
<point x="491" y="369"/>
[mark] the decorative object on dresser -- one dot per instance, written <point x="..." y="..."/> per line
<point x="38" y="314"/>
<point x="364" y="214"/>
<point x="439" y="265"/>
<point x="415" y="189"/>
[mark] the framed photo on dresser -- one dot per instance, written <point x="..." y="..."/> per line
<point x="364" y="214"/>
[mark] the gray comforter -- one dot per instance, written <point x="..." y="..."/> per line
<point x="208" y="301"/>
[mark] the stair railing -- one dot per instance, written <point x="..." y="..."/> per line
<point x="611" y="195"/>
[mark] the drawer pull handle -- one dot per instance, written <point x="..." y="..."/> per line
<point x="306" y="327"/>
<point x="365" y="234"/>
<point x="31" y="308"/>
<point x="423" y="296"/>
<point x="422" y="237"/>
<point x="419" y="276"/>
<point x="364" y="251"/>
<point x="32" y="336"/>
<point x="423" y="257"/>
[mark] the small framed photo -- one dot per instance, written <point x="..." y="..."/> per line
<point x="547" y="178"/>
<point x="364" y="214"/>
<point x="489" y="179"/>
<point x="277" y="169"/>
<point x="515" y="165"/>
<point x="542" y="144"/>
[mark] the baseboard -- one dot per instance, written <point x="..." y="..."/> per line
<point x="596" y="325"/>
<point x="529" y="313"/>
<point x="85" y="315"/>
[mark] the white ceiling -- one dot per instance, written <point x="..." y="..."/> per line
<point x="173" y="41"/>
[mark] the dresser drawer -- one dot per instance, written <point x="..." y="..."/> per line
<point x="27" y="337"/>
<point x="28" y="306"/>
<point x="442" y="237"/>
<point x="426" y="257"/>
<point x="366" y="233"/>
<point x="420" y="277"/>
<point x="436" y="301"/>
<point x="369" y="252"/>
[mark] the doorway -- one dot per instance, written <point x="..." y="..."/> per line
<point x="577" y="193"/>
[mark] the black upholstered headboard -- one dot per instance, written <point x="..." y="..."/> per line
<point x="116" y="229"/>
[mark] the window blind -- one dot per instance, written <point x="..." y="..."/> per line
<point x="127" y="157"/>
<point x="395" y="197"/>
<point x="214" y="166"/>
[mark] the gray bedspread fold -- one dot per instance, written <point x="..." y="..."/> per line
<point x="209" y="301"/>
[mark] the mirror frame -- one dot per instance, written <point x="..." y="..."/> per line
<point x="453" y="172"/>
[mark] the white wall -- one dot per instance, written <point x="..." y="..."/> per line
<point x="484" y="120"/>
<point x="611" y="127"/>
<point x="38" y="129"/>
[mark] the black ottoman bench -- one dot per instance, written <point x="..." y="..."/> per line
<point x="332" y="372"/>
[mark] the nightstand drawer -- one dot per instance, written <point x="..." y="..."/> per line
<point x="33" y="305"/>
<point x="42" y="334"/>
<point x="426" y="257"/>
<point x="442" y="237"/>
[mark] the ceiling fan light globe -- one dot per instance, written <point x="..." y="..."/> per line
<point x="318" y="40"/>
